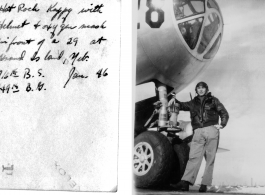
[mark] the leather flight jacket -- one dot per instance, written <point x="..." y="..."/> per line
<point x="205" y="113"/>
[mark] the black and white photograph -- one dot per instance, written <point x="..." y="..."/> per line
<point x="198" y="97"/>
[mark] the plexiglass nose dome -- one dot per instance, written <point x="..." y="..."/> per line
<point x="201" y="25"/>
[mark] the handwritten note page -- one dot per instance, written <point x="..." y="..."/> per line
<point x="59" y="94"/>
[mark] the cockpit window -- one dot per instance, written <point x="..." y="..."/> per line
<point x="213" y="49"/>
<point x="211" y="26"/>
<point x="190" y="31"/>
<point x="186" y="8"/>
<point x="212" y="4"/>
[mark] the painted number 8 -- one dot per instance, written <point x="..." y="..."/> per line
<point x="148" y="15"/>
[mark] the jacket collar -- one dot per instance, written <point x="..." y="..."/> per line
<point x="208" y="96"/>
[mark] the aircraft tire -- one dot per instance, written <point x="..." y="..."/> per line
<point x="152" y="167"/>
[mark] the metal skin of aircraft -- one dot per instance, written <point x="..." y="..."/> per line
<point x="176" y="40"/>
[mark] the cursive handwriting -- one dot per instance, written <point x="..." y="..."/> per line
<point x="48" y="27"/>
<point x="96" y="8"/>
<point x="3" y="25"/>
<point x="13" y="42"/>
<point x="43" y="31"/>
<point x="50" y="57"/>
<point x="74" y="56"/>
<point x="63" y="27"/>
<point x="22" y="8"/>
<point x="3" y="42"/>
<point x="98" y="41"/>
<point x="7" y="74"/>
<point x="3" y="57"/>
<point x="26" y="74"/>
<point x="93" y="26"/>
<point x="7" y="8"/>
<point x="53" y="28"/>
<point x="35" y="57"/>
<point x="74" y="74"/>
<point x="59" y="12"/>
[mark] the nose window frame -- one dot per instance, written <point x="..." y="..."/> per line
<point x="212" y="51"/>
<point x="188" y="8"/>
<point x="211" y="26"/>
<point x="212" y="47"/>
<point x="191" y="31"/>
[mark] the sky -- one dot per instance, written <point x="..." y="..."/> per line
<point x="236" y="77"/>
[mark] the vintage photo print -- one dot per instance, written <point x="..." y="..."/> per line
<point x="199" y="88"/>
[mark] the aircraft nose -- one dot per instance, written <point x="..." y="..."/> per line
<point x="211" y="35"/>
<point x="200" y="23"/>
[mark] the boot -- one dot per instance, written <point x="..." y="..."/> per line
<point x="203" y="188"/>
<point x="181" y="186"/>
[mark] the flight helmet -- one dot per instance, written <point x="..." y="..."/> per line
<point x="203" y="84"/>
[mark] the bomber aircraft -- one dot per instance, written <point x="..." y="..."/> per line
<point x="176" y="40"/>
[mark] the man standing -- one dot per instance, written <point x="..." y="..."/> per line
<point x="205" y="111"/>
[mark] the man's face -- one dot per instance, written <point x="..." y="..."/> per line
<point x="201" y="90"/>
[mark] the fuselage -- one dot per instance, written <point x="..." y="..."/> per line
<point x="176" y="40"/>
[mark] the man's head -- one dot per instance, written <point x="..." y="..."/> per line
<point x="201" y="88"/>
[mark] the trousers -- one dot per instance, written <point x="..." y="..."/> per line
<point x="204" y="143"/>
